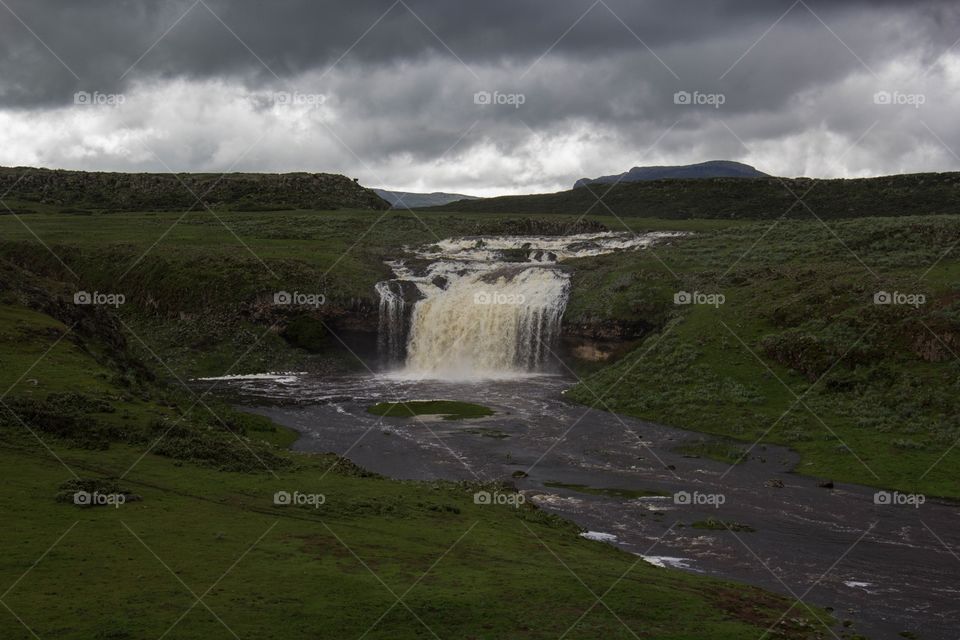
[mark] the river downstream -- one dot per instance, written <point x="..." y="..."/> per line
<point x="478" y="320"/>
<point x="881" y="566"/>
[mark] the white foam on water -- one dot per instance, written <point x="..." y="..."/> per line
<point x="856" y="584"/>
<point x="286" y="377"/>
<point x="667" y="562"/>
<point x="599" y="536"/>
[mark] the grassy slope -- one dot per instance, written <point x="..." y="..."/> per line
<point x="499" y="580"/>
<point x="471" y="571"/>
<point x="801" y="302"/>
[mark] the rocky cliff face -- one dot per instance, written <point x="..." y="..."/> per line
<point x="163" y="191"/>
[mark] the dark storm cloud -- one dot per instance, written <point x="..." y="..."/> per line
<point x="597" y="80"/>
<point x="99" y="40"/>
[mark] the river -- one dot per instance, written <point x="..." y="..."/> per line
<point x="886" y="567"/>
<point x="478" y="319"/>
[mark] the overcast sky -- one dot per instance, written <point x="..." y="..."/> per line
<point x="491" y="97"/>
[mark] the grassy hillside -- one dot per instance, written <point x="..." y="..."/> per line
<point x="742" y="198"/>
<point x="878" y="383"/>
<point x="798" y="294"/>
<point x="199" y="548"/>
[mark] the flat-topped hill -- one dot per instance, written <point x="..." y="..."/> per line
<point x="165" y="191"/>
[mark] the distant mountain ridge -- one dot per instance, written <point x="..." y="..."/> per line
<point x="412" y="200"/>
<point x="742" y="198"/>
<point x="709" y="169"/>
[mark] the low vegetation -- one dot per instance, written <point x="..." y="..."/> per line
<point x="839" y="341"/>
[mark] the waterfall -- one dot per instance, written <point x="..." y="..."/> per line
<point x="483" y="326"/>
<point x="391" y="331"/>
<point x="484" y="307"/>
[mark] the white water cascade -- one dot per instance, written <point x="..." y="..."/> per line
<point x="489" y="323"/>
<point x="484" y="307"/>
<point x="391" y="330"/>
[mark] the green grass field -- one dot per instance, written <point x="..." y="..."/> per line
<point x="462" y="570"/>
<point x="206" y="550"/>
<point x="100" y="387"/>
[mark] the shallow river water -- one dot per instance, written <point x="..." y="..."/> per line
<point x="888" y="568"/>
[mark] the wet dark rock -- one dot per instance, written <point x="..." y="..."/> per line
<point x="586" y="245"/>
<point x="408" y="291"/>
<point x="606" y="329"/>
<point x="544" y="256"/>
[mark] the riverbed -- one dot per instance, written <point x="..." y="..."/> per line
<point x="888" y="568"/>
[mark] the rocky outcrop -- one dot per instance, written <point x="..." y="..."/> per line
<point x="602" y="340"/>
<point x="165" y="191"/>
<point x="607" y="330"/>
